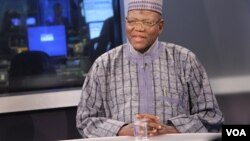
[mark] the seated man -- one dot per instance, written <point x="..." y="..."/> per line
<point x="58" y="18"/>
<point x="161" y="82"/>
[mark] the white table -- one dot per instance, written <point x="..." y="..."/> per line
<point x="168" y="137"/>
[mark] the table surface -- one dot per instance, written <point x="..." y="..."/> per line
<point x="168" y="137"/>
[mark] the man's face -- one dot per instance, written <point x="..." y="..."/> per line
<point x="142" y="28"/>
<point x="58" y="10"/>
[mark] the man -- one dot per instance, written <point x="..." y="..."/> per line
<point x="145" y="78"/>
<point x="58" y="18"/>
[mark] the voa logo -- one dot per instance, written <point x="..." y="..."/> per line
<point x="236" y="132"/>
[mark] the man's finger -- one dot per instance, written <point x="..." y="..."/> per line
<point x="148" y="116"/>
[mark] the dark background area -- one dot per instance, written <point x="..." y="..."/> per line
<point x="44" y="125"/>
<point x="59" y="29"/>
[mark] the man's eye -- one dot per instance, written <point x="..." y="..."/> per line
<point x="147" y="23"/>
<point x="131" y="21"/>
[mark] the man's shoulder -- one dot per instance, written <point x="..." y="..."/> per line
<point x="114" y="53"/>
<point x="176" y="48"/>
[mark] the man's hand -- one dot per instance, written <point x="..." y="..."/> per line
<point x="164" y="129"/>
<point x="155" y="127"/>
<point x="126" y="130"/>
<point x="148" y="117"/>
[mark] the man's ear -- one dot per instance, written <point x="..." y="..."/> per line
<point x="161" y="26"/>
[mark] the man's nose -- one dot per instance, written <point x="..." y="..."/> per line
<point x="139" y="26"/>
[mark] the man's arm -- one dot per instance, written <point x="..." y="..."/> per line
<point x="91" y="116"/>
<point x="204" y="114"/>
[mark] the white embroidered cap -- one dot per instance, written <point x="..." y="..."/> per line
<point x="153" y="5"/>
